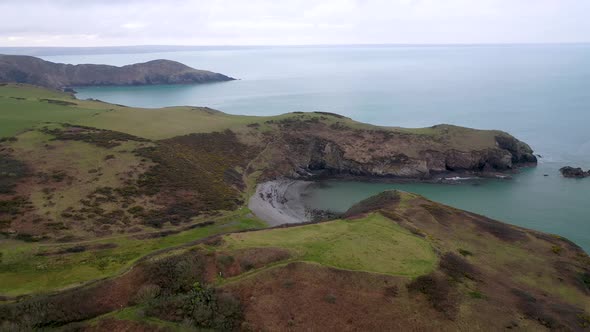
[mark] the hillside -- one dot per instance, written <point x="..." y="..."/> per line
<point x="31" y="70"/>
<point x="119" y="182"/>
<point x="114" y="217"/>
<point x="396" y="262"/>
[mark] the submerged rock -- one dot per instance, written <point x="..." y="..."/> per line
<point x="571" y="172"/>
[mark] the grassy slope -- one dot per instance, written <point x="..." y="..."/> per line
<point x="24" y="271"/>
<point x="477" y="291"/>
<point x="160" y="123"/>
<point x="490" y="275"/>
<point x="372" y="244"/>
<point x="77" y="159"/>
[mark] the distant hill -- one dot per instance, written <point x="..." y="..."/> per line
<point x="32" y="70"/>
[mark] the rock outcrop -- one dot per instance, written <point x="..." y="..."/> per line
<point x="35" y="71"/>
<point x="301" y="148"/>
<point x="571" y="172"/>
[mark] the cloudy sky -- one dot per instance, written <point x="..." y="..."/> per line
<point x="295" y="22"/>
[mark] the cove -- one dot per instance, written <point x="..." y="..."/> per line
<point x="530" y="199"/>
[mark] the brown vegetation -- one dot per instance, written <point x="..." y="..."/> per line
<point x="99" y="137"/>
<point x="194" y="174"/>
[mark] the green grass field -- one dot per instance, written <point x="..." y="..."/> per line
<point x="24" y="271"/>
<point x="23" y="107"/>
<point x="372" y="244"/>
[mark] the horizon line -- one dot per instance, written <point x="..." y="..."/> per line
<point x="308" y="45"/>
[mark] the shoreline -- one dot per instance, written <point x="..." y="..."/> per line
<point x="278" y="202"/>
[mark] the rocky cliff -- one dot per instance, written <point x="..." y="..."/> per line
<point x="301" y="147"/>
<point x="35" y="71"/>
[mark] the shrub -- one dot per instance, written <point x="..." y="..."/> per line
<point x="585" y="279"/>
<point x="288" y="284"/>
<point x="465" y="252"/>
<point x="330" y="298"/>
<point x="247" y="264"/>
<point x="204" y="306"/>
<point x="136" y="210"/>
<point x="556" y="249"/>
<point x="58" y="176"/>
<point x="146" y="293"/>
<point x="225" y="260"/>
<point x="99" y="137"/>
<point x="5" y="223"/>
<point x="13" y="206"/>
<point x="177" y="274"/>
<point x="457" y="267"/>
<point x="437" y="291"/>
<point x="11" y="170"/>
<point x="391" y="291"/>
<point x="27" y="237"/>
<point x="476" y="295"/>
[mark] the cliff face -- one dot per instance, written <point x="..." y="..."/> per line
<point x="301" y="148"/>
<point x="31" y="70"/>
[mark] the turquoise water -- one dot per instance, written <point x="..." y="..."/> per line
<point x="539" y="93"/>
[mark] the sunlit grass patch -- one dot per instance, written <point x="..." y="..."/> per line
<point x="373" y="244"/>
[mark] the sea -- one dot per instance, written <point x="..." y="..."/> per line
<point x="538" y="93"/>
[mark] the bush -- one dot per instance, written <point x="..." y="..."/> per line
<point x="288" y="284"/>
<point x="13" y="206"/>
<point x="391" y="291"/>
<point x="225" y="260"/>
<point x="476" y="295"/>
<point x="177" y="274"/>
<point x="437" y="290"/>
<point x="136" y="210"/>
<point x="464" y="252"/>
<point x="99" y="137"/>
<point x="146" y="293"/>
<point x="204" y="306"/>
<point x="330" y="298"/>
<point x="11" y="171"/>
<point x="457" y="267"/>
<point x="556" y="250"/>
<point x="585" y="279"/>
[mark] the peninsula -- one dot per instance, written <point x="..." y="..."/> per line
<point x="32" y="70"/>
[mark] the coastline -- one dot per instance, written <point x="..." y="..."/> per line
<point x="279" y="202"/>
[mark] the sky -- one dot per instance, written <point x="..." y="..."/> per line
<point x="291" y="22"/>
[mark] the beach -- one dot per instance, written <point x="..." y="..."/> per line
<point x="278" y="202"/>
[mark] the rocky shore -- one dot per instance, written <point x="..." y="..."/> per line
<point x="571" y="172"/>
